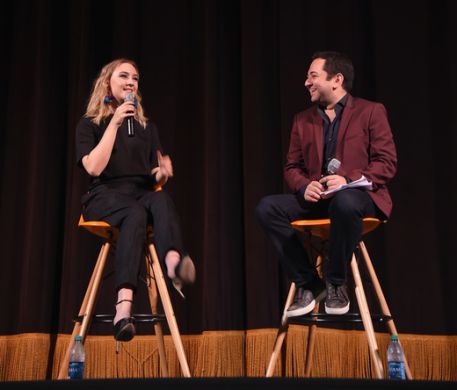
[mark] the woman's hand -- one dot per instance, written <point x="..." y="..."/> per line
<point x="97" y="160"/>
<point x="123" y="111"/>
<point x="165" y="169"/>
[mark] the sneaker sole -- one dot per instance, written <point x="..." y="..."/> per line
<point x="302" y="311"/>
<point x="307" y="309"/>
<point x="337" y="310"/>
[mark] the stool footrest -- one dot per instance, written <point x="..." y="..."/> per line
<point x="148" y="318"/>
<point x="324" y="317"/>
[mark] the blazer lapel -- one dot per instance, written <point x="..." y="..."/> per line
<point x="318" y="136"/>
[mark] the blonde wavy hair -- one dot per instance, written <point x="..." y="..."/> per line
<point x="97" y="109"/>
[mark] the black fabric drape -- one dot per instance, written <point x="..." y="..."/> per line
<point x="222" y="80"/>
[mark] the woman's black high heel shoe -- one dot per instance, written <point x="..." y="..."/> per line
<point x="124" y="329"/>
<point x="185" y="274"/>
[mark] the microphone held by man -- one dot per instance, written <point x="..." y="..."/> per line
<point x="333" y="166"/>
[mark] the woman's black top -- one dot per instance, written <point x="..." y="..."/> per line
<point x="132" y="157"/>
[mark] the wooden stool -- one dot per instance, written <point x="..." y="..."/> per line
<point x="155" y="281"/>
<point x="320" y="228"/>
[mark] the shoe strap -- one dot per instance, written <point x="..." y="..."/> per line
<point x="124" y="300"/>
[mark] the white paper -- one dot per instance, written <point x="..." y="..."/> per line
<point x="359" y="183"/>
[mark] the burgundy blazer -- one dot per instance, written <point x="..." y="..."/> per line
<point x="365" y="146"/>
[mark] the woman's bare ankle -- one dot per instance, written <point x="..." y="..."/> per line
<point x="123" y="304"/>
<point x="172" y="259"/>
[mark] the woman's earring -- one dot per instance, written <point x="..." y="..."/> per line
<point x="108" y="99"/>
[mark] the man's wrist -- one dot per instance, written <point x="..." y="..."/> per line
<point x="302" y="191"/>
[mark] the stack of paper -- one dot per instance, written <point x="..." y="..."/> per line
<point x="360" y="183"/>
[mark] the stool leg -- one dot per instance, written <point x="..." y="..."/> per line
<point x="153" y="301"/>
<point x="366" y="318"/>
<point x="87" y="307"/>
<point x="382" y="300"/>
<point x="282" y="332"/>
<point x="169" y="313"/>
<point x="312" y="329"/>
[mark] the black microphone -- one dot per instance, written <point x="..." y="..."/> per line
<point x="333" y="166"/>
<point x="130" y="98"/>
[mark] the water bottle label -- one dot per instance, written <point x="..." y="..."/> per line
<point x="75" y="370"/>
<point x="396" y="370"/>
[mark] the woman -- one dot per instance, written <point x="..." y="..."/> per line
<point x="125" y="162"/>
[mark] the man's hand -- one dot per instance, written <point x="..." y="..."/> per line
<point x="332" y="182"/>
<point x="313" y="191"/>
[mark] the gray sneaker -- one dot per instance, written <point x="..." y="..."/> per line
<point x="337" y="301"/>
<point x="306" y="298"/>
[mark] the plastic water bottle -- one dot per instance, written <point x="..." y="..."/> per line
<point x="395" y="359"/>
<point x="77" y="357"/>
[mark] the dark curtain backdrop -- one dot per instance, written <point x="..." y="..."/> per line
<point x="222" y="80"/>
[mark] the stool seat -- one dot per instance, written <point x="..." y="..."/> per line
<point x="320" y="227"/>
<point x="99" y="228"/>
<point x="102" y="228"/>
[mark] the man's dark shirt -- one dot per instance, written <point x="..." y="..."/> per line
<point x="331" y="131"/>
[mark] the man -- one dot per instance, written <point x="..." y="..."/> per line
<point x="355" y="132"/>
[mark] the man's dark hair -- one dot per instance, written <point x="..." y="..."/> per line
<point x="336" y="62"/>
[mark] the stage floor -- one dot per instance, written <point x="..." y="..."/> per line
<point x="229" y="383"/>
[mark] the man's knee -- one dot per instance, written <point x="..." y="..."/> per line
<point x="345" y="203"/>
<point x="265" y="210"/>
